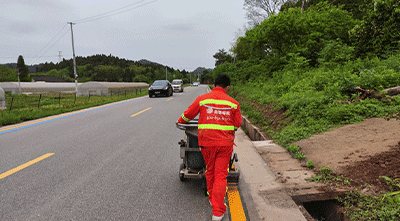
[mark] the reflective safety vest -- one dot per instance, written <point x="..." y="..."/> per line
<point x="219" y="118"/>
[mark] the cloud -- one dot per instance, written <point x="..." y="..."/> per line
<point x="21" y="28"/>
<point x="180" y="27"/>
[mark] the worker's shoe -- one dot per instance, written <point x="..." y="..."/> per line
<point x="216" y="218"/>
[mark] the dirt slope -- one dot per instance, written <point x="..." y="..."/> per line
<point x="361" y="152"/>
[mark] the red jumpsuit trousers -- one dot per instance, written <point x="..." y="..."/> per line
<point x="217" y="161"/>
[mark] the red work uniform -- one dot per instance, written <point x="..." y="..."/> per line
<point x="219" y="118"/>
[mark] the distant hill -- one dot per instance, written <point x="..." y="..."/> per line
<point x="147" y="62"/>
<point x="200" y="70"/>
<point x="34" y="68"/>
<point x="102" y="67"/>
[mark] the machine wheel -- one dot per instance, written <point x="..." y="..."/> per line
<point x="181" y="175"/>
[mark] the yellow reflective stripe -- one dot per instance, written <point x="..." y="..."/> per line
<point x="184" y="118"/>
<point x="236" y="128"/>
<point x="216" y="127"/>
<point x="220" y="102"/>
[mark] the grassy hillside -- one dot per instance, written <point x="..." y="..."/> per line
<point x="300" y="101"/>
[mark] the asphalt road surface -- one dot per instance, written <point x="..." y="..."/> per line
<point x="118" y="162"/>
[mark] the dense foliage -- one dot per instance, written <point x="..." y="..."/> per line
<point x="378" y="32"/>
<point x="8" y="74"/>
<point x="308" y="63"/>
<point x="294" y="32"/>
<point x="296" y="74"/>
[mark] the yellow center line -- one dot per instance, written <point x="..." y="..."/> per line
<point x="235" y="204"/>
<point x="170" y="99"/>
<point x="16" y="169"/>
<point x="140" y="112"/>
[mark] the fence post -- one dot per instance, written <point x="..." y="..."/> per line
<point x="75" y="98"/>
<point x="12" y="99"/>
<point x="40" y="97"/>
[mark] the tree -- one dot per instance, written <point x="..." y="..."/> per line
<point x="353" y="6"/>
<point x="378" y="33"/>
<point x="222" y="56"/>
<point x="259" y="10"/>
<point x="7" y="74"/>
<point x="207" y="77"/>
<point x="291" y="31"/>
<point x="23" y="70"/>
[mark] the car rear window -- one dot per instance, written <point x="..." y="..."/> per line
<point x="159" y="83"/>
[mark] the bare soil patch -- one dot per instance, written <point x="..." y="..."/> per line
<point x="361" y="152"/>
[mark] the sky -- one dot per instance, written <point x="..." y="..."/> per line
<point x="181" y="34"/>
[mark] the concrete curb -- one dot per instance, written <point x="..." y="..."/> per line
<point x="285" y="181"/>
<point x="269" y="196"/>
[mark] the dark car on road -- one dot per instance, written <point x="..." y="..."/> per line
<point x="161" y="87"/>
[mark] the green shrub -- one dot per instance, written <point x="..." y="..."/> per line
<point x="310" y="164"/>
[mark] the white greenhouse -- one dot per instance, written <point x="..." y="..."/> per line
<point x="84" y="89"/>
<point x="38" y="87"/>
<point x="109" y="88"/>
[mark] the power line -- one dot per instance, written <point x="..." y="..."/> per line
<point x="53" y="44"/>
<point x="13" y="57"/>
<point x="50" y="41"/>
<point x="113" y="12"/>
<point x="95" y="16"/>
<point x="89" y="19"/>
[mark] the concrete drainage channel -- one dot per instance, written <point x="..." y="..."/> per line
<point x="315" y="204"/>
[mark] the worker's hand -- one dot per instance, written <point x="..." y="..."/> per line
<point x="176" y="123"/>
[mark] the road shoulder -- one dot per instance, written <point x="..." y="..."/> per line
<point x="268" y="196"/>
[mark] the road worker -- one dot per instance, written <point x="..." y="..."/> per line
<point x="219" y="118"/>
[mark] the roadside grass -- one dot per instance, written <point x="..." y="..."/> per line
<point x="359" y="206"/>
<point x="22" y="107"/>
<point x="366" y="207"/>
<point x="299" y="101"/>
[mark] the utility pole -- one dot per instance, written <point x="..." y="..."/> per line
<point x="73" y="55"/>
<point x="59" y="56"/>
<point x="19" y="82"/>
